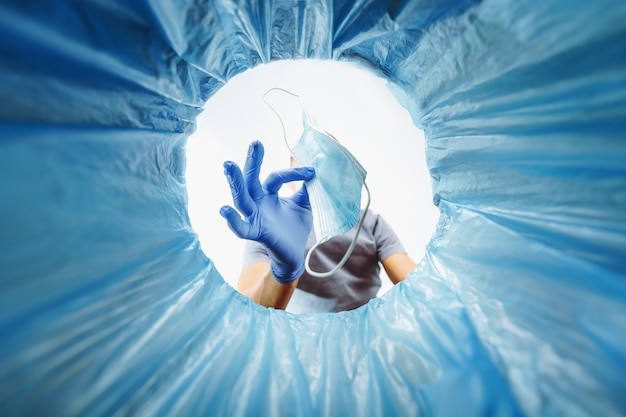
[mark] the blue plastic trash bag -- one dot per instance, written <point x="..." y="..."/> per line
<point x="109" y="307"/>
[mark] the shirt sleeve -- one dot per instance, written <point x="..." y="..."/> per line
<point x="254" y="252"/>
<point x="387" y="242"/>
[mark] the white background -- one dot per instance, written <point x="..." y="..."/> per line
<point x="349" y="102"/>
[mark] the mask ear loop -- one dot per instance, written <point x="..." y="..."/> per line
<point x="348" y="252"/>
<point x="359" y="225"/>
<point x="280" y="119"/>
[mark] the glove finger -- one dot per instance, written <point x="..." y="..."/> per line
<point x="301" y="197"/>
<point x="239" y="227"/>
<point x="238" y="189"/>
<point x="277" y="178"/>
<point x="252" y="169"/>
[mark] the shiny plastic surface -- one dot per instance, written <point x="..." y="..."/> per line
<point x="108" y="306"/>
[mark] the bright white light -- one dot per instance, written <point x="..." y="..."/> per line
<point x="351" y="103"/>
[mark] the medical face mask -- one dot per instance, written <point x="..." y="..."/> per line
<point x="334" y="192"/>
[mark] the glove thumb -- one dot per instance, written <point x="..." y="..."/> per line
<point x="301" y="198"/>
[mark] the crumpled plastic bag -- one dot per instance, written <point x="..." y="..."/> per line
<point x="109" y="307"/>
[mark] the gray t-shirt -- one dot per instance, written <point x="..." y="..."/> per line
<point x="354" y="284"/>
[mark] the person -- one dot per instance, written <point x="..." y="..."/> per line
<point x="279" y="233"/>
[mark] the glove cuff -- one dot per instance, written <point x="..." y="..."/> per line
<point x="284" y="277"/>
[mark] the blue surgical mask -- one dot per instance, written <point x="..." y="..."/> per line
<point x="334" y="192"/>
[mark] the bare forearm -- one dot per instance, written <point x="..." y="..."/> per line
<point x="398" y="266"/>
<point x="267" y="292"/>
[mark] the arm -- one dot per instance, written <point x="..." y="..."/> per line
<point x="395" y="260"/>
<point x="281" y="225"/>
<point x="257" y="282"/>
<point x="398" y="266"/>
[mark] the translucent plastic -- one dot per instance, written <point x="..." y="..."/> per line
<point x="109" y="307"/>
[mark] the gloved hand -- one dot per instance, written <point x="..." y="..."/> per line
<point x="282" y="225"/>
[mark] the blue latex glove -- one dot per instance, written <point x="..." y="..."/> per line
<point x="282" y="225"/>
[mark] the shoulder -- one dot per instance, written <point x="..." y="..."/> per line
<point x="253" y="246"/>
<point x="254" y="252"/>
<point x="375" y="222"/>
<point x="385" y="238"/>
